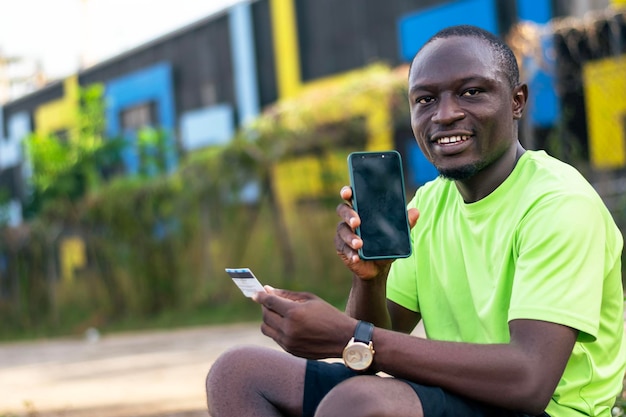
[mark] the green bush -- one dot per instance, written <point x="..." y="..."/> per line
<point x="158" y="243"/>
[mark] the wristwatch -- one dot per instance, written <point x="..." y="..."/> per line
<point x="359" y="352"/>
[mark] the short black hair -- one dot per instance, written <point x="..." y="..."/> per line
<point x="502" y="51"/>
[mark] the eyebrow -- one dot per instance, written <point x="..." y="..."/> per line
<point x="465" y="80"/>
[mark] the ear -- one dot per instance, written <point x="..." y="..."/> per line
<point x="520" y="97"/>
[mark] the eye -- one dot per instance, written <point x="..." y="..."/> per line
<point x="424" y="99"/>
<point x="471" y="92"/>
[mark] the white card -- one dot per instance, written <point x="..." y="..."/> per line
<point x="245" y="280"/>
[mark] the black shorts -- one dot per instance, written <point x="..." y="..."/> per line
<point x="321" y="377"/>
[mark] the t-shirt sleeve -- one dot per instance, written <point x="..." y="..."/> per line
<point x="560" y="265"/>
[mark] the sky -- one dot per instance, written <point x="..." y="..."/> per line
<point x="60" y="34"/>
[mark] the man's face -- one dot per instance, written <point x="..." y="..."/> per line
<point x="462" y="106"/>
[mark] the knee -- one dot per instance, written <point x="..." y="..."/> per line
<point x="351" y="398"/>
<point x="229" y="370"/>
<point x="252" y="380"/>
<point x="230" y="374"/>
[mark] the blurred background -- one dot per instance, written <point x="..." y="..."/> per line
<point x="146" y="145"/>
<point x="143" y="150"/>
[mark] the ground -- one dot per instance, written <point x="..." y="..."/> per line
<point x="147" y="374"/>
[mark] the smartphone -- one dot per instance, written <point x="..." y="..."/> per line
<point x="378" y="197"/>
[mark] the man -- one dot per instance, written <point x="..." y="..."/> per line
<point x="515" y="273"/>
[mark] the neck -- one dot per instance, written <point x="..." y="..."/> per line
<point x="486" y="181"/>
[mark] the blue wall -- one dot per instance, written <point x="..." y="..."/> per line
<point x="152" y="84"/>
<point x="207" y="126"/>
<point x="244" y="62"/>
<point x="415" y="29"/>
<point x="543" y="104"/>
<point x="419" y="169"/>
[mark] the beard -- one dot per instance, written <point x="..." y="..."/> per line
<point x="461" y="173"/>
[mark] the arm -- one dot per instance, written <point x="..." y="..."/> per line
<point x="367" y="300"/>
<point x="521" y="375"/>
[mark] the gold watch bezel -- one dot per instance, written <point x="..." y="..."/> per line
<point x="358" y="355"/>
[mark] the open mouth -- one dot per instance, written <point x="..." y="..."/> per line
<point x="447" y="140"/>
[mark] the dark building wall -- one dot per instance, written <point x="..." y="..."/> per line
<point x="11" y="182"/>
<point x="264" y="52"/>
<point x="334" y="37"/>
<point x="199" y="55"/>
<point x="32" y="101"/>
<point x="338" y="36"/>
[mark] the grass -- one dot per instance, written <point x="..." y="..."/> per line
<point x="172" y="319"/>
<point x="75" y="323"/>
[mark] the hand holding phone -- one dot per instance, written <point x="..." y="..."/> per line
<point x="378" y="197"/>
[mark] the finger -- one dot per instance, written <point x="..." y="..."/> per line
<point x="347" y="244"/>
<point x="413" y="214"/>
<point x="346" y="193"/>
<point x="346" y="240"/>
<point x="289" y="295"/>
<point x="272" y="319"/>
<point x="256" y="297"/>
<point x="261" y="296"/>
<point x="297" y="296"/>
<point x="276" y="336"/>
<point x="269" y="331"/>
<point x="348" y="215"/>
<point x="273" y="302"/>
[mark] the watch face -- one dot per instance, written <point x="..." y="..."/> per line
<point x="357" y="356"/>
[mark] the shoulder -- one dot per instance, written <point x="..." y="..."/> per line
<point x="541" y="180"/>
<point x="559" y="204"/>
<point x="432" y="191"/>
<point x="544" y="172"/>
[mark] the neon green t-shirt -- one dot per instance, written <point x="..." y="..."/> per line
<point x="541" y="246"/>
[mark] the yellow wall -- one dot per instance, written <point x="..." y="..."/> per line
<point x="301" y="177"/>
<point x="52" y="117"/>
<point x="287" y="56"/>
<point x="605" y="102"/>
<point x="73" y="256"/>
<point x="59" y="114"/>
<point x="286" y="49"/>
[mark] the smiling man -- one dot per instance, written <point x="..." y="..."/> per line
<point x="515" y="273"/>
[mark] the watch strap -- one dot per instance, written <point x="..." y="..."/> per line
<point x="363" y="332"/>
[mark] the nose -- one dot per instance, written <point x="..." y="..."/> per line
<point x="447" y="111"/>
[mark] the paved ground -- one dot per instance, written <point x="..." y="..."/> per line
<point x="125" y="375"/>
<point x="147" y="374"/>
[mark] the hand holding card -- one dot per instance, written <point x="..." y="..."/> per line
<point x="245" y="280"/>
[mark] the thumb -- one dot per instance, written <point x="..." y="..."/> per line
<point x="292" y="295"/>
<point x="413" y="215"/>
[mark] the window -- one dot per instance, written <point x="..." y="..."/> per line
<point x="141" y="115"/>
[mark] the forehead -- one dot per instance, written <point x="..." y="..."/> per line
<point x="453" y="58"/>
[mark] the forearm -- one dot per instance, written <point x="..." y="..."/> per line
<point x="367" y="301"/>
<point x="517" y="375"/>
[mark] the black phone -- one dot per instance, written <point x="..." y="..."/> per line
<point x="378" y="197"/>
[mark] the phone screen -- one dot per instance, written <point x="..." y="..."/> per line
<point x="378" y="197"/>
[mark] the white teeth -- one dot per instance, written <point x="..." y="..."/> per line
<point x="452" y="139"/>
